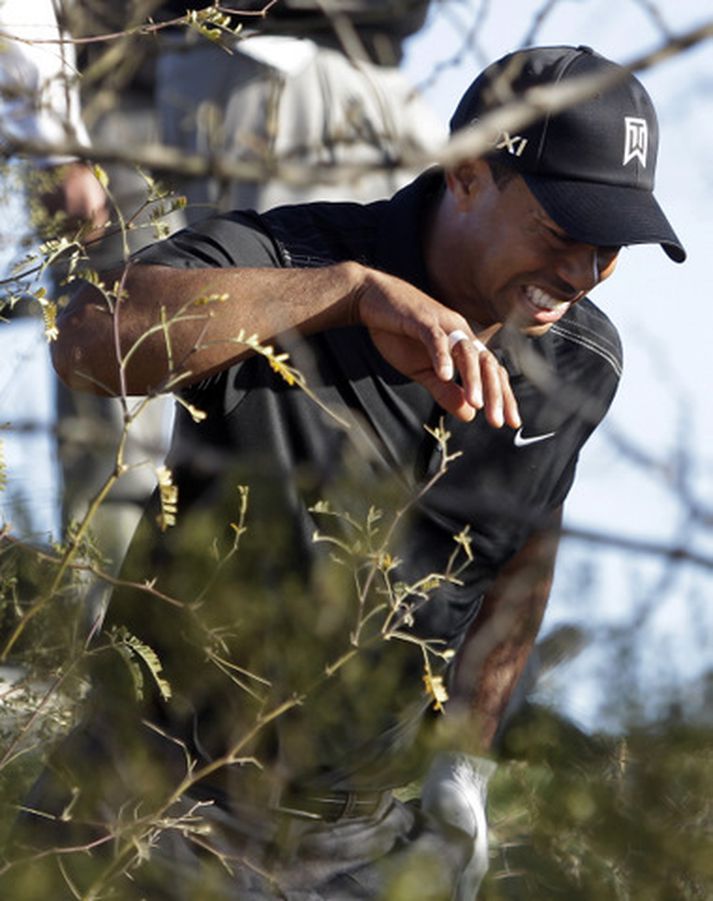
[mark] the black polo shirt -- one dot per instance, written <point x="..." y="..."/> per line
<point x="260" y="431"/>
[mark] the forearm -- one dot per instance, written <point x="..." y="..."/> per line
<point x="177" y="326"/>
<point x="497" y="648"/>
<point x="128" y="350"/>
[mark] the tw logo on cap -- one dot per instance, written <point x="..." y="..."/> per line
<point x="636" y="144"/>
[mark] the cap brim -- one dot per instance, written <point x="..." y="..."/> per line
<point x="606" y="215"/>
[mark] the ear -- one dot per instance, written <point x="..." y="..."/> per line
<point x="465" y="180"/>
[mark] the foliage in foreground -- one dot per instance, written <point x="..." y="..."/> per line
<point x="599" y="817"/>
<point x="573" y="816"/>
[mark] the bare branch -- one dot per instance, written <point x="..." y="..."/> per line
<point x="624" y="543"/>
<point x="471" y="142"/>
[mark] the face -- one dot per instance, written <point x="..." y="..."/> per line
<point x="504" y="261"/>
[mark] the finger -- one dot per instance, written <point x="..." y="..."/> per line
<point x="456" y="337"/>
<point x="443" y="354"/>
<point x="510" y="405"/>
<point x="485" y="381"/>
<point x="492" y="390"/>
<point x="466" y="353"/>
<point x="504" y="407"/>
<point x="443" y="348"/>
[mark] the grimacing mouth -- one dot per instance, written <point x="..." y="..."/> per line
<point x="544" y="301"/>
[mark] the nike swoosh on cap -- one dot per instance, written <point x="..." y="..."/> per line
<point x="521" y="441"/>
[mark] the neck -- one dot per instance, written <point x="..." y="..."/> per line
<point x="439" y="250"/>
<point x="442" y="250"/>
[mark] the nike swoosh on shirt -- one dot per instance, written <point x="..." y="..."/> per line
<point x="521" y="441"/>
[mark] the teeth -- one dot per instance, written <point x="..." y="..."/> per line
<point x="542" y="300"/>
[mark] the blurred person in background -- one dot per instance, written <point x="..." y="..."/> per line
<point x="308" y="83"/>
<point x="39" y="96"/>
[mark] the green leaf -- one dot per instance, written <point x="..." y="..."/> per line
<point x="137" y="677"/>
<point x="129" y="645"/>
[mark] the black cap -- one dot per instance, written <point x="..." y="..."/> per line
<point x="591" y="166"/>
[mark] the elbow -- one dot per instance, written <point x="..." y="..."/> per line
<point x="68" y="364"/>
<point x="81" y="354"/>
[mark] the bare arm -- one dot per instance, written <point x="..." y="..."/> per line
<point x="265" y="302"/>
<point x="409" y="328"/>
<point x="495" y="652"/>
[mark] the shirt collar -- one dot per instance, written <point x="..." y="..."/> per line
<point x="400" y="234"/>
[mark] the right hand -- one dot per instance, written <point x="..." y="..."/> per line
<point x="410" y="330"/>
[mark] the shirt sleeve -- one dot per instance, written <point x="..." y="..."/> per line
<point x="232" y="240"/>
<point x="562" y="488"/>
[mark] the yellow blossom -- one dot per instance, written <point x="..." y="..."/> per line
<point x="436" y="688"/>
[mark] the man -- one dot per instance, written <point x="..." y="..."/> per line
<point x="39" y="103"/>
<point x="301" y="697"/>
